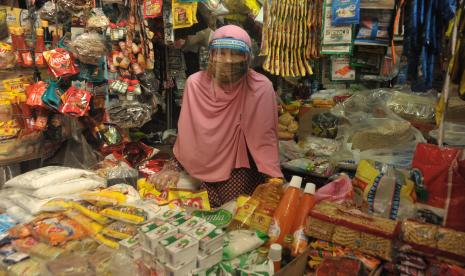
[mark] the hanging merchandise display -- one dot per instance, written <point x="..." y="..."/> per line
<point x="289" y="38"/>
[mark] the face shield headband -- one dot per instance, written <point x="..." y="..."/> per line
<point x="230" y="43"/>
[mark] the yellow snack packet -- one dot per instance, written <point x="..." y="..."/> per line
<point x="56" y="205"/>
<point x="129" y="214"/>
<point x="112" y="243"/>
<point x="91" y="211"/>
<point x="184" y="14"/>
<point x="182" y="198"/>
<point x="105" y="196"/>
<point x="148" y="191"/>
<point x="89" y="225"/>
<point x="120" y="230"/>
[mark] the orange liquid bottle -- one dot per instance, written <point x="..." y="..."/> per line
<point x="307" y="202"/>
<point x="285" y="214"/>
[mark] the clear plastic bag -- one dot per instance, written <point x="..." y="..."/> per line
<point x="315" y="146"/>
<point x="129" y="114"/>
<point x="50" y="13"/>
<point x="454" y="134"/>
<point x="89" y="48"/>
<point x="122" y="173"/>
<point x="97" y="20"/>
<point x="370" y="130"/>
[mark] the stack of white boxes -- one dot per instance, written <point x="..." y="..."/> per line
<point x="177" y="244"/>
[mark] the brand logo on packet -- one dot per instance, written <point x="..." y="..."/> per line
<point x="58" y="59"/>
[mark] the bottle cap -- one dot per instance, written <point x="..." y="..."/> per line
<point x="296" y="181"/>
<point x="112" y="25"/>
<point x="310" y="188"/>
<point x="263" y="251"/>
<point x="275" y="252"/>
<point x="134" y="82"/>
<point x="130" y="88"/>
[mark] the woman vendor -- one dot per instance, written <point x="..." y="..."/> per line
<point x="227" y="130"/>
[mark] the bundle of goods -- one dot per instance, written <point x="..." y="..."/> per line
<point x="289" y="37"/>
<point x="353" y="229"/>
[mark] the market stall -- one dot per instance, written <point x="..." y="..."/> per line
<point x="369" y="128"/>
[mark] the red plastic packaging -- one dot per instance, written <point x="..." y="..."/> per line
<point x="75" y="102"/>
<point x="34" y="94"/>
<point x="443" y="173"/>
<point x="60" y="62"/>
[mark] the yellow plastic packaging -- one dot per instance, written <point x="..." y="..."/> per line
<point x="105" y="197"/>
<point x="184" y="14"/>
<point x="129" y="214"/>
<point x="91" y="211"/>
<point x="57" y="205"/>
<point x="89" y="225"/>
<point x="148" y="191"/>
<point x="120" y="230"/>
<point x="181" y="198"/>
<point x="112" y="243"/>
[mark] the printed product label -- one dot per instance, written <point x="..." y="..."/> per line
<point x="274" y="230"/>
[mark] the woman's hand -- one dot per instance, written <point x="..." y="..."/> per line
<point x="165" y="179"/>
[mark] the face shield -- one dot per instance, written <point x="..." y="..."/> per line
<point x="228" y="60"/>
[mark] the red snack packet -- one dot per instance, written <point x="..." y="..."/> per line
<point x="34" y="94"/>
<point x="75" y="102"/>
<point x="60" y="62"/>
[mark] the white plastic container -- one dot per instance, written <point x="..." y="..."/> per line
<point x="201" y="231"/>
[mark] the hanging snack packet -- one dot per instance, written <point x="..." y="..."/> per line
<point x="91" y="211"/>
<point x="184" y="14"/>
<point x="76" y="102"/>
<point x="34" y="94"/>
<point x="120" y="230"/>
<point x="181" y="198"/>
<point x="152" y="8"/>
<point x="127" y="214"/>
<point x="60" y="62"/>
<point x="345" y="12"/>
<point x="51" y="96"/>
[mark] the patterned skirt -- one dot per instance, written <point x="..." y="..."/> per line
<point x="242" y="181"/>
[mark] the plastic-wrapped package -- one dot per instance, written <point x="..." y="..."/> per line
<point x="318" y="166"/>
<point x="339" y="265"/>
<point x="74" y="6"/>
<point x="409" y="105"/>
<point x="454" y="134"/>
<point x="122" y="173"/>
<point x="7" y="56"/>
<point x="122" y="265"/>
<point x="216" y="7"/>
<point x="371" y="129"/>
<point x="129" y="114"/>
<point x="69" y="265"/>
<point x="49" y="13"/>
<point x="289" y="150"/>
<point x="338" y="190"/>
<point x="89" y="48"/>
<point x="97" y="20"/>
<point x="57" y="229"/>
<point x="315" y="146"/>
<point x="324" y="125"/>
<point x="29" y="267"/>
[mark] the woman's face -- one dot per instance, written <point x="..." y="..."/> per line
<point x="228" y="65"/>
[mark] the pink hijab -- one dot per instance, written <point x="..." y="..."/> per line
<point x="216" y="125"/>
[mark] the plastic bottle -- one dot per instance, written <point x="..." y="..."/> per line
<point x="23" y="50"/>
<point x="258" y="211"/>
<point x="307" y="202"/>
<point x="275" y="255"/>
<point x="40" y="48"/>
<point x="283" y="218"/>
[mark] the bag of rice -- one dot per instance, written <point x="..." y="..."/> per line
<point x="70" y="187"/>
<point x="44" y="177"/>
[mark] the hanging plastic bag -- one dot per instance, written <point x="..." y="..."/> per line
<point x="76" y="102"/>
<point x="89" y="48"/>
<point x="51" y="96"/>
